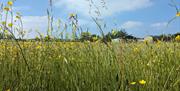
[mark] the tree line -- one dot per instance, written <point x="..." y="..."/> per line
<point x="87" y="36"/>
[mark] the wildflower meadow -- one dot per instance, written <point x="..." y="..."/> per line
<point x="84" y="62"/>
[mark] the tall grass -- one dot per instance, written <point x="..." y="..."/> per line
<point x="88" y="66"/>
<point x="74" y="66"/>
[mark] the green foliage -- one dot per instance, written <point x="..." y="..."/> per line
<point x="85" y="36"/>
<point x="163" y="37"/>
<point x="115" y="33"/>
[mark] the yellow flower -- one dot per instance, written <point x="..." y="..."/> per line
<point x="177" y="38"/>
<point x="38" y="47"/>
<point x="10" y="25"/>
<point x="133" y="83"/>
<point x="136" y="50"/>
<point x="6" y="8"/>
<point x="142" y="82"/>
<point x="72" y="15"/>
<point x="10" y="3"/>
<point x="178" y="14"/>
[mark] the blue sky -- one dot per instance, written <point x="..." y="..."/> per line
<point x="139" y="17"/>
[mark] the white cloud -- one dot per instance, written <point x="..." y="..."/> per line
<point x="114" y="6"/>
<point x="159" y="25"/>
<point x="131" y="24"/>
<point x="40" y="23"/>
<point x="33" y="22"/>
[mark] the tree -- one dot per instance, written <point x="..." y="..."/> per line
<point x="108" y="37"/>
<point x="85" y="36"/>
<point x="122" y="34"/>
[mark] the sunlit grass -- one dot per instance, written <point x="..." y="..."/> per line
<point x="90" y="66"/>
<point x="44" y="64"/>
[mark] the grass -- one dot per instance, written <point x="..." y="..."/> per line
<point x="83" y="66"/>
<point x="74" y="66"/>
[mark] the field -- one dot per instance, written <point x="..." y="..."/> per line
<point x="87" y="66"/>
<point x="49" y="45"/>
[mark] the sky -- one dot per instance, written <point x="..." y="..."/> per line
<point x="139" y="18"/>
